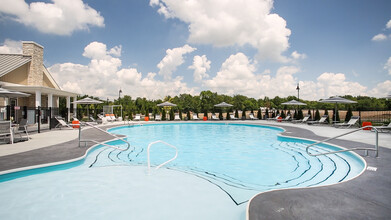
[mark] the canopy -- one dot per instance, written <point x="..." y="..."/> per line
<point x="223" y="105"/>
<point x="293" y="102"/>
<point x="166" y="104"/>
<point x="336" y="100"/>
<point x="12" y="94"/>
<point x="87" y="101"/>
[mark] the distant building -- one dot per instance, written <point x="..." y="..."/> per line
<point x="26" y="73"/>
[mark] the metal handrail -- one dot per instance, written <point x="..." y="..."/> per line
<point x="97" y="142"/>
<point x="159" y="141"/>
<point x="376" y="149"/>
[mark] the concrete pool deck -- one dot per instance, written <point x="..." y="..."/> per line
<point x="365" y="197"/>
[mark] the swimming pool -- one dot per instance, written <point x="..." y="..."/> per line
<point x="219" y="167"/>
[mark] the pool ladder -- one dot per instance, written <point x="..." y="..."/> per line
<point x="97" y="142"/>
<point x="162" y="164"/>
<point x="376" y="149"/>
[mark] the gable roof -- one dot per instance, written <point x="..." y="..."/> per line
<point x="9" y="62"/>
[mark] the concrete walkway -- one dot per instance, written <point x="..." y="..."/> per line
<point x="365" y="197"/>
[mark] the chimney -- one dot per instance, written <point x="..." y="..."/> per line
<point x="35" y="75"/>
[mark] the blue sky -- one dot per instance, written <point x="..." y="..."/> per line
<point x="256" y="48"/>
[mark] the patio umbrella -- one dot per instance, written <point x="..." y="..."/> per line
<point x="337" y="100"/>
<point x="223" y="105"/>
<point x="12" y="94"/>
<point x="167" y="105"/>
<point x="87" y="101"/>
<point x="293" y="102"/>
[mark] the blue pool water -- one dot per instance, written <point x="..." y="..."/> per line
<point x="217" y="163"/>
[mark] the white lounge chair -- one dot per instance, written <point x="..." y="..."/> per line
<point x="214" y="117"/>
<point x="137" y="117"/>
<point x="61" y="123"/>
<point x="195" y="116"/>
<point x="305" y="119"/>
<point x="322" y="120"/>
<point x="6" y="131"/>
<point x="275" y="118"/>
<point x="287" y="118"/>
<point x="176" y="117"/>
<point x="353" y="121"/>
<point x="22" y="129"/>
<point x="158" y="117"/>
<point x="252" y="117"/>
<point x="384" y="128"/>
<point x="232" y="116"/>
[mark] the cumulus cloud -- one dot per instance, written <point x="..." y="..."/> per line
<point x="379" y="37"/>
<point x="201" y="65"/>
<point x="103" y="76"/>
<point x="232" y="23"/>
<point x="173" y="59"/>
<point x="381" y="89"/>
<point x="61" y="17"/>
<point x="388" y="25"/>
<point x="11" y="47"/>
<point x="298" y="56"/>
<point x="387" y="66"/>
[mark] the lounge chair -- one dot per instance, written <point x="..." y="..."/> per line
<point x="158" y="117"/>
<point x="195" y="116"/>
<point x="287" y="118"/>
<point x="275" y="118"/>
<point x="6" y="131"/>
<point x="252" y="117"/>
<point x="322" y="120"/>
<point x="384" y="128"/>
<point x="137" y="117"/>
<point x="22" y="129"/>
<point x="353" y="121"/>
<point x="232" y="116"/>
<point x="176" y="117"/>
<point x="61" y="123"/>
<point x="305" y="119"/>
<point x="214" y="117"/>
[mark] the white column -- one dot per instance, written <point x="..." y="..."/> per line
<point x="69" y="107"/>
<point x="37" y="98"/>
<point x="75" y="107"/>
<point x="50" y="101"/>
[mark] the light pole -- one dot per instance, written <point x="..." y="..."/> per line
<point x="298" y="92"/>
<point x="119" y="94"/>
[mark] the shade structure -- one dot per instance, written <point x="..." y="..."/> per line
<point x="223" y="105"/>
<point x="293" y="102"/>
<point x="166" y="104"/>
<point x="12" y="94"/>
<point x="87" y="101"/>
<point x="337" y="100"/>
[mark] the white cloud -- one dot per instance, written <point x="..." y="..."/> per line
<point x="388" y="25"/>
<point x="387" y="66"/>
<point x="103" y="76"/>
<point x="229" y="23"/>
<point x="379" y="37"/>
<point x="62" y="17"/>
<point x="201" y="65"/>
<point x="298" y="56"/>
<point x="381" y="89"/>
<point x="11" y="47"/>
<point x="173" y="59"/>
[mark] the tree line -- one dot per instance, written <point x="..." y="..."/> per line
<point x="205" y="101"/>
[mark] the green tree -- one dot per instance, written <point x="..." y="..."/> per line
<point x="349" y="114"/>
<point x="317" y="115"/>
